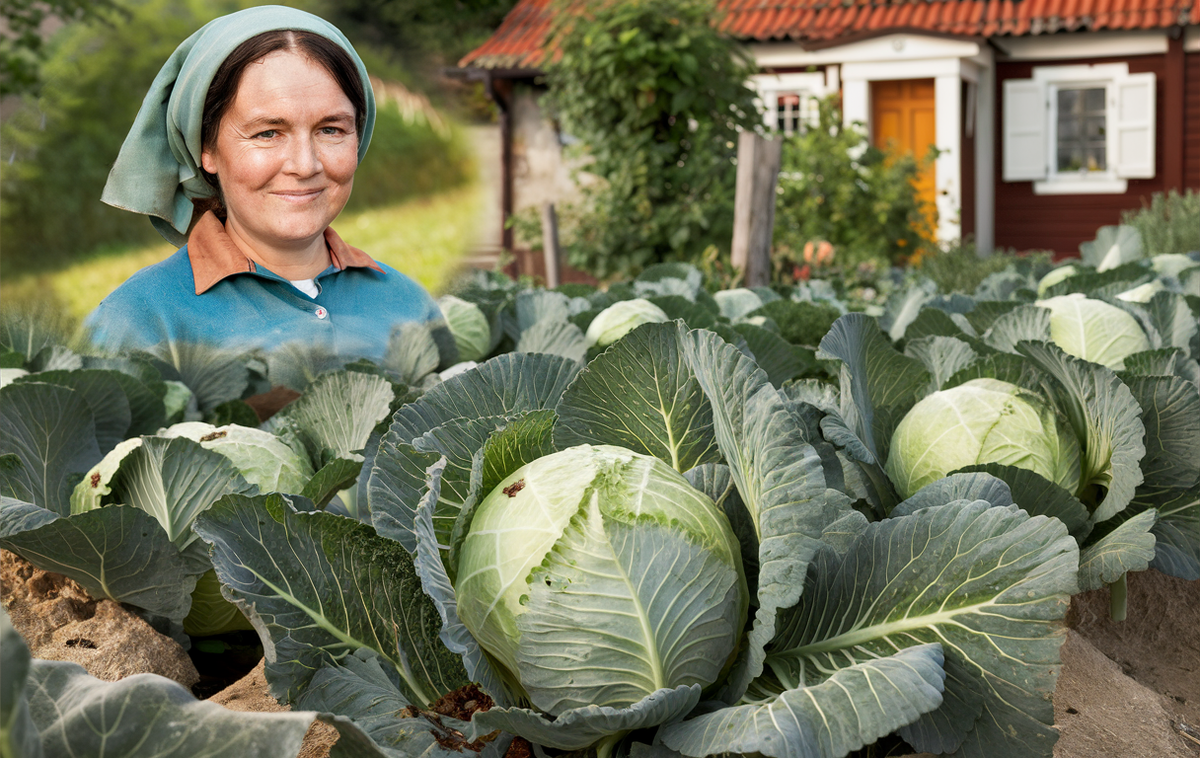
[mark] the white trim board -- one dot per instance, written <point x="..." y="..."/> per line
<point x="888" y="48"/>
<point x="1081" y="45"/>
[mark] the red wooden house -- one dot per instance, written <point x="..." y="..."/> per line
<point x="1052" y="116"/>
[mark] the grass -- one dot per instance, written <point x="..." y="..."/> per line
<point x="425" y="238"/>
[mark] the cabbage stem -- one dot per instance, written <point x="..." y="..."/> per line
<point x="1118" y="593"/>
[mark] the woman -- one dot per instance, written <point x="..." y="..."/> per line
<point x="244" y="152"/>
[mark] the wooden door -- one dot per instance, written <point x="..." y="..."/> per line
<point x="904" y="118"/>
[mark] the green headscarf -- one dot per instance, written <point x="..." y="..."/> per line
<point x="158" y="169"/>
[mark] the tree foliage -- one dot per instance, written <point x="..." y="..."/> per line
<point x="656" y="95"/>
<point x="23" y="40"/>
<point x="836" y="186"/>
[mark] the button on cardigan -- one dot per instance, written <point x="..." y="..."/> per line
<point x="210" y="292"/>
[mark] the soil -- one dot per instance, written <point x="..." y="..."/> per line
<point x="1127" y="689"/>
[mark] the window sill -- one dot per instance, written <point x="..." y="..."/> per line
<point x="1106" y="186"/>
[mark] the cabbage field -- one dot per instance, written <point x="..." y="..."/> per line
<point x="648" y="521"/>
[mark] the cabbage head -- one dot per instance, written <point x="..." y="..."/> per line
<point x="621" y="318"/>
<point x="470" y="327"/>
<point x="981" y="421"/>
<point x="261" y="457"/>
<point x="596" y="575"/>
<point x="1094" y="330"/>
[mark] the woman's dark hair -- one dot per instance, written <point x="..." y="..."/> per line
<point x="321" y="50"/>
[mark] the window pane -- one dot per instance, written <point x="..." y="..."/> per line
<point x="1081" y="125"/>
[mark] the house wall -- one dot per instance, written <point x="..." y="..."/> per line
<point x="1191" y="122"/>
<point x="1026" y="221"/>
<point x="540" y="171"/>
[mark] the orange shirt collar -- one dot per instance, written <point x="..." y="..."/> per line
<point x="214" y="256"/>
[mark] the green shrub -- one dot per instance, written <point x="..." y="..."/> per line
<point x="958" y="267"/>
<point x="58" y="148"/>
<point x="835" y="186"/>
<point x="656" y="95"/>
<point x="1170" y="224"/>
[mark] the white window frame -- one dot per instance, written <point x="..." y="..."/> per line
<point x="771" y="87"/>
<point x="1055" y="78"/>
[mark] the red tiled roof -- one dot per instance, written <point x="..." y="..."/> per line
<point x="518" y="43"/>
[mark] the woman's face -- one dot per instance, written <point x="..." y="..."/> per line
<point x="285" y="152"/>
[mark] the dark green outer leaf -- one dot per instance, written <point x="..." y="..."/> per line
<point x="781" y="359"/>
<point x="50" y="430"/>
<point x="502" y="386"/>
<point x="1106" y="419"/>
<point x="394" y="488"/>
<point x="521" y="441"/>
<point x="640" y="394"/>
<point x="554" y="337"/>
<point x="991" y="584"/>
<point x="780" y="479"/>
<point x="147" y="716"/>
<point x="104" y="395"/>
<point x="1171" y="414"/>
<point x="1171" y="317"/>
<point x="360" y="690"/>
<point x="436" y="582"/>
<point x="213" y="374"/>
<point x="338" y="412"/>
<point x="1038" y="496"/>
<point x="318" y="586"/>
<point x="1128" y="547"/>
<point x="854" y="707"/>
<point x="879" y="384"/>
<point x="117" y="552"/>
<point x="1025" y="322"/>
<point x="957" y="486"/>
<point x="1177" y="534"/>
<point x="332" y="478"/>
<point x="582" y="727"/>
<point x="941" y="356"/>
<point x="18" y="734"/>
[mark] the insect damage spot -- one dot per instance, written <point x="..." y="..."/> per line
<point x="459" y="704"/>
<point x="95" y="480"/>
<point x="213" y="436"/>
<point x="512" y="489"/>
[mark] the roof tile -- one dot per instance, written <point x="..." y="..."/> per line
<point x="520" y="40"/>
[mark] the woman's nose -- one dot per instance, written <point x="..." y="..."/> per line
<point x="304" y="157"/>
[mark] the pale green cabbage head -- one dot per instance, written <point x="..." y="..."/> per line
<point x="619" y="319"/>
<point x="470" y="327"/>
<point x="583" y="506"/>
<point x="1094" y="330"/>
<point x="981" y="421"/>
<point x="262" y="458"/>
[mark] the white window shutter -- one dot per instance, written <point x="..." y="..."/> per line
<point x="1025" y="147"/>
<point x="1132" y="136"/>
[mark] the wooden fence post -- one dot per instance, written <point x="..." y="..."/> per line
<point x="754" y="207"/>
<point x="550" y="245"/>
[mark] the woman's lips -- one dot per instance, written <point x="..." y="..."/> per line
<point x="297" y="196"/>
